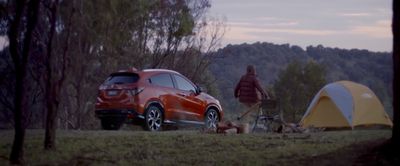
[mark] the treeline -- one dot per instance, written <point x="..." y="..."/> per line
<point x="373" y="69"/>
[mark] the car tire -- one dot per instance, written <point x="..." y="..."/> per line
<point x="153" y="119"/>
<point x="110" y="124"/>
<point x="211" y="119"/>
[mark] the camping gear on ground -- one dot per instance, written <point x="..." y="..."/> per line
<point x="295" y="128"/>
<point x="269" y="116"/>
<point x="345" y="104"/>
<point x="225" y="127"/>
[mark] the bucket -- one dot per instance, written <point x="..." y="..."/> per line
<point x="243" y="128"/>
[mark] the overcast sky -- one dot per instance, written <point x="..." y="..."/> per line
<point x="363" y="24"/>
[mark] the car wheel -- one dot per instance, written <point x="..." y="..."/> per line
<point x="153" y="119"/>
<point x="110" y="124"/>
<point x="211" y="119"/>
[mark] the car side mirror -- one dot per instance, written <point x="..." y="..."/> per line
<point x="200" y="89"/>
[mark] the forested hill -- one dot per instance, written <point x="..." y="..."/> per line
<point x="373" y="69"/>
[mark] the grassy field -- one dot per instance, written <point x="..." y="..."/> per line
<point x="195" y="148"/>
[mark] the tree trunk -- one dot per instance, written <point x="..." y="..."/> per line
<point x="396" y="68"/>
<point x="51" y="125"/>
<point x="17" y="152"/>
<point x="54" y="79"/>
<point x="20" y="59"/>
<point x="52" y="88"/>
<point x="78" y="105"/>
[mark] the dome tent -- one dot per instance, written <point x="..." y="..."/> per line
<point x="345" y="104"/>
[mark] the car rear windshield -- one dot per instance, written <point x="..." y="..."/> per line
<point x="122" y="78"/>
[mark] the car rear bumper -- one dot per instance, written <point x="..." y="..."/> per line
<point x="118" y="113"/>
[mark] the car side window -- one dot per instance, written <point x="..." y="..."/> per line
<point x="183" y="84"/>
<point x="164" y="80"/>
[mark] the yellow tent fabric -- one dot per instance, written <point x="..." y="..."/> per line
<point x="345" y="104"/>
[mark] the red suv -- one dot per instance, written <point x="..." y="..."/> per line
<point x="154" y="97"/>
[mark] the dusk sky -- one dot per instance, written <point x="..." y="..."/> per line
<point x="363" y="24"/>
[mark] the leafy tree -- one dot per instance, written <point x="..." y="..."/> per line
<point x="161" y="34"/>
<point x="296" y="86"/>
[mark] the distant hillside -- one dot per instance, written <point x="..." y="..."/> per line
<point x="373" y="69"/>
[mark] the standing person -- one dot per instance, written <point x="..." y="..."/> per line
<point x="247" y="88"/>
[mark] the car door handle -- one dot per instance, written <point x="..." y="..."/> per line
<point x="182" y="94"/>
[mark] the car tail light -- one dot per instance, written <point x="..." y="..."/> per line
<point x="136" y="91"/>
